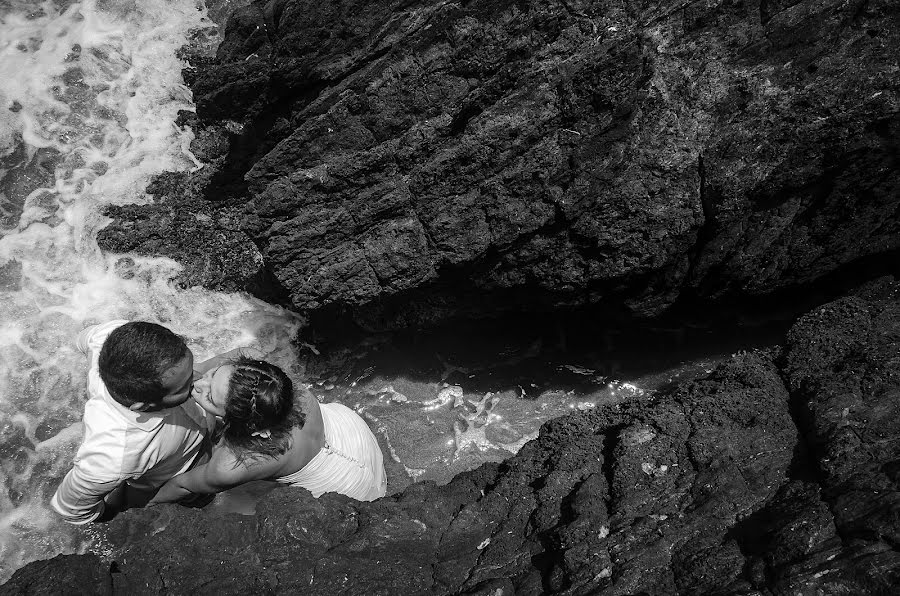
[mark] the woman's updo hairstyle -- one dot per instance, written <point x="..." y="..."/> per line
<point x="260" y="411"/>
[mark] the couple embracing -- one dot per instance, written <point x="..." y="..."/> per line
<point x="159" y="428"/>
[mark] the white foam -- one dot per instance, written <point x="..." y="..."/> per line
<point x="95" y="88"/>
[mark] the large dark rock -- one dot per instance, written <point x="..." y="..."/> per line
<point x="843" y="368"/>
<point x="709" y="488"/>
<point x="410" y="162"/>
<point x="61" y="576"/>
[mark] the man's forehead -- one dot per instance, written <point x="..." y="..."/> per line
<point x="181" y="370"/>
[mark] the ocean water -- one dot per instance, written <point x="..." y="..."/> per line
<point x="90" y="94"/>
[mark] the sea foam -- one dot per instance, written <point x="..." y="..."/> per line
<point x="87" y="109"/>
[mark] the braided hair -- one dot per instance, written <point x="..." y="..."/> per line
<point x="260" y="410"/>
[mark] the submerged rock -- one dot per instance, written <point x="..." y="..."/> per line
<point x="738" y="483"/>
<point x="405" y="163"/>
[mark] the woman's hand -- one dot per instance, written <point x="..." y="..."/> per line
<point x="218" y="474"/>
<point x="225" y="357"/>
<point x="248" y="351"/>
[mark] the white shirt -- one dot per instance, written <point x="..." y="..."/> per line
<point x="144" y="449"/>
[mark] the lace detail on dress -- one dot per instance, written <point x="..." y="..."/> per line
<point x="350" y="461"/>
<point x="327" y="448"/>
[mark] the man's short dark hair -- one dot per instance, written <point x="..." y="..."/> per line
<point x="133" y="358"/>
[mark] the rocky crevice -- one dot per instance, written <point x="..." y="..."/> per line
<point x="750" y="162"/>
<point x="706" y="488"/>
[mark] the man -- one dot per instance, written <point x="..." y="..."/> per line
<point x="140" y="427"/>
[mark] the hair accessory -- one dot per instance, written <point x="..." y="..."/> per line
<point x="253" y="412"/>
<point x="263" y="434"/>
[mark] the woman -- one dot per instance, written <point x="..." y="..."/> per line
<point x="267" y="434"/>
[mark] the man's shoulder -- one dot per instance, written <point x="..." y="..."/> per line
<point x="97" y="406"/>
<point x="102" y="418"/>
<point x="103" y="445"/>
<point x="92" y="337"/>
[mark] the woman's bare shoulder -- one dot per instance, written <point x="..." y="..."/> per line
<point x="312" y="413"/>
<point x="308" y="402"/>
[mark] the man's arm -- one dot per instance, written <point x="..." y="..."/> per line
<point x="81" y="499"/>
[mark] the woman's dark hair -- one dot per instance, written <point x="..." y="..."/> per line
<point x="133" y="358"/>
<point x="260" y="398"/>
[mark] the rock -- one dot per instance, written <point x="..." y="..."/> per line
<point x="11" y="276"/>
<point x="405" y="164"/>
<point x="743" y="482"/>
<point x="63" y="575"/>
<point x="186" y="229"/>
<point x="23" y="172"/>
<point x="842" y="365"/>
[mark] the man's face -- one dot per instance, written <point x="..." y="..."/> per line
<point x="177" y="381"/>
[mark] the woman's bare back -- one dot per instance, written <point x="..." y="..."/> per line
<point x="306" y="441"/>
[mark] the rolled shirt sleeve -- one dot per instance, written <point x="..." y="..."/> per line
<point x="96" y="471"/>
<point x="79" y="499"/>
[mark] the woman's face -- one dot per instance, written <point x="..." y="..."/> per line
<point x="211" y="389"/>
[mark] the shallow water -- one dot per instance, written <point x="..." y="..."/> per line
<point x="453" y="399"/>
<point x="450" y="400"/>
<point x="87" y="109"/>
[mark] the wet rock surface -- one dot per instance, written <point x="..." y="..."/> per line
<point x="178" y="224"/>
<point x="407" y="163"/>
<point x="774" y="474"/>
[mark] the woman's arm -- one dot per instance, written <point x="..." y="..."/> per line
<point x="226" y="357"/>
<point x="220" y="473"/>
<point x="205" y="479"/>
<point x="193" y="482"/>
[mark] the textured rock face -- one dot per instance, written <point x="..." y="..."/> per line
<point x="185" y="229"/>
<point x="843" y="370"/>
<point x="709" y="488"/>
<point x="62" y="575"/>
<point x="407" y="162"/>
